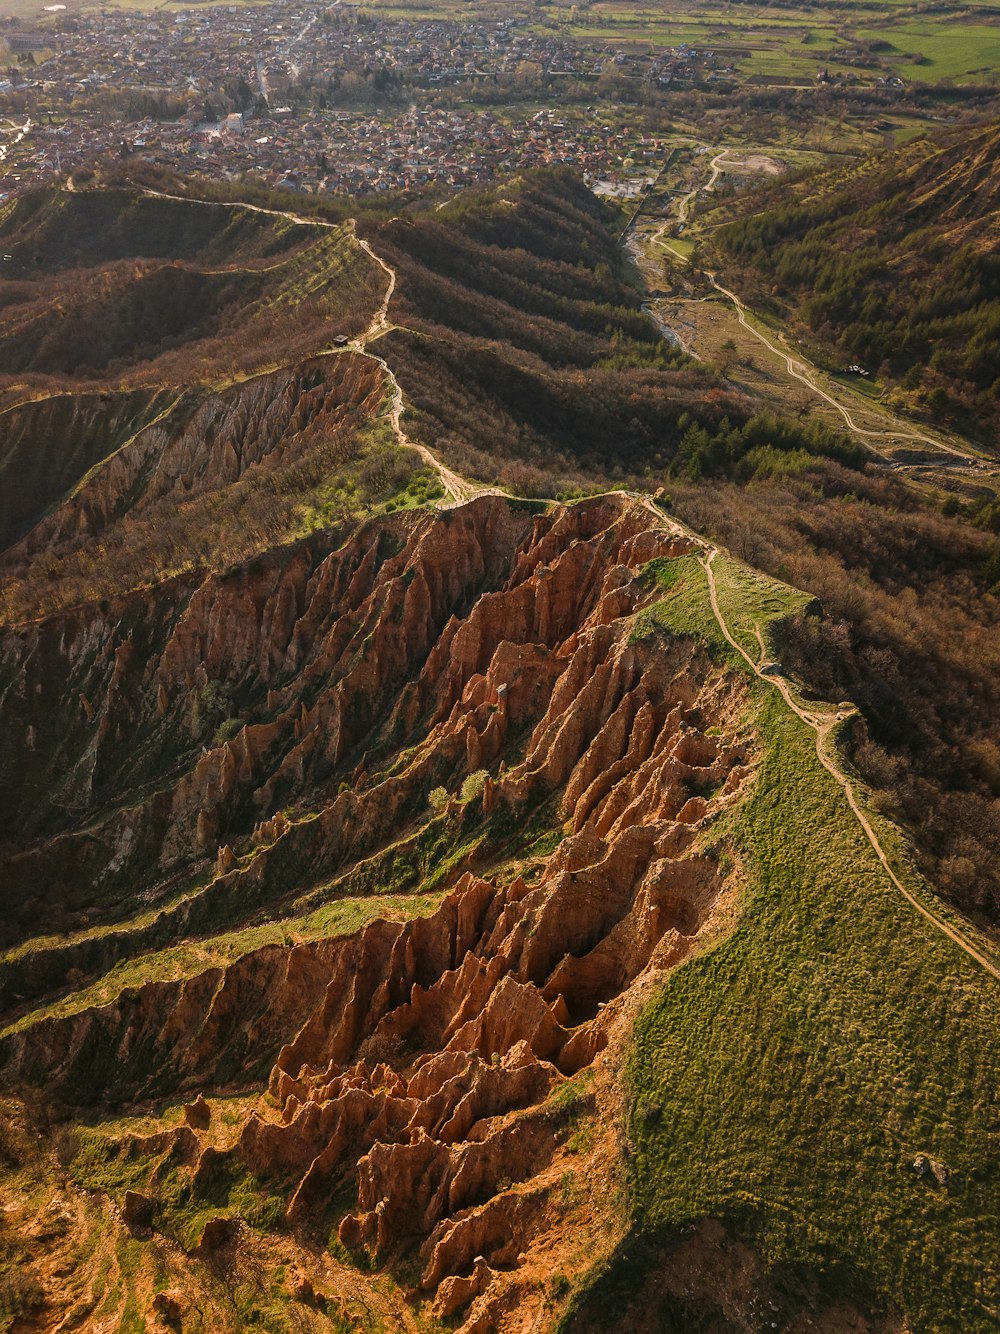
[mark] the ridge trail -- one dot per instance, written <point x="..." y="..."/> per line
<point x="463" y="491"/>
<point x="458" y="488"/>
<point x="822" y="724"/>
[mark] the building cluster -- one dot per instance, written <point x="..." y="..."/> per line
<point x="318" y="98"/>
<point x="352" y="152"/>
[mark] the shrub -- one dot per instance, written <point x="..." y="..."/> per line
<point x="212" y="706"/>
<point x="12" y="1144"/>
<point x="226" y="730"/>
<point x="20" y="1294"/>
<point x="473" y="785"/>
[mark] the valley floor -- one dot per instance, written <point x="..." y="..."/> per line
<point x="712" y="323"/>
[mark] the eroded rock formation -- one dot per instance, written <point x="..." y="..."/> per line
<point x="418" y="1064"/>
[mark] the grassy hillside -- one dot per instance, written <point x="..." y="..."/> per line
<point x="891" y="264"/>
<point x="911" y="633"/>
<point x="786" y="1080"/>
<point x="779" y="1084"/>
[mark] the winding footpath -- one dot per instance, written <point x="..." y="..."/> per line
<point x="457" y="488"/>
<point x="794" y="366"/>
<point x="822" y="723"/>
<point x="462" y="491"/>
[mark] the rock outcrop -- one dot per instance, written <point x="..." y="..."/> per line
<point x="487" y="652"/>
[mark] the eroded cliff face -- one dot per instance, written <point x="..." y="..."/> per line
<point x="196" y="442"/>
<point x="309" y="657"/>
<point x="51" y="442"/>
<point x="469" y="705"/>
<point x="108" y="492"/>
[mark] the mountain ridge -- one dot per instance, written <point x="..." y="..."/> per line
<point x="425" y="907"/>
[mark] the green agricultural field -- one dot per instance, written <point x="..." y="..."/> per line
<point x="789" y="43"/>
<point x="785" y="43"/>
<point x="952" y="49"/>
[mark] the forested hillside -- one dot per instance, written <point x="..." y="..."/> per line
<point x="516" y="333"/>
<point x="528" y="361"/>
<point x="892" y="265"/>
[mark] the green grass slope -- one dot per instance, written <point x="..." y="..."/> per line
<point x="785" y="1080"/>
